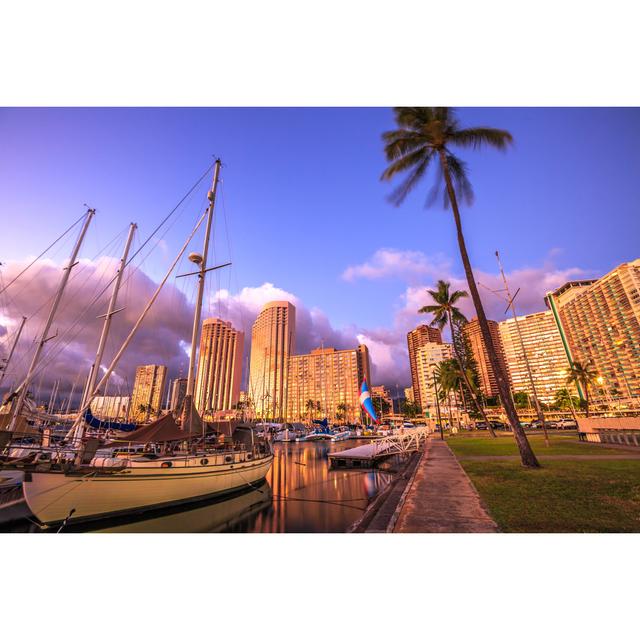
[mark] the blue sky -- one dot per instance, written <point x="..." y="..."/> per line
<point x="303" y="198"/>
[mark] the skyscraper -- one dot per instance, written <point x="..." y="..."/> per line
<point x="428" y="357"/>
<point x="544" y="350"/>
<point x="599" y="321"/>
<point x="148" y="390"/>
<point x="488" y="378"/>
<point x="330" y="379"/>
<point x="219" y="367"/>
<point x="272" y="342"/>
<point x="421" y="335"/>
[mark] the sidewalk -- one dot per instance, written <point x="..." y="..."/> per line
<point x="441" y="498"/>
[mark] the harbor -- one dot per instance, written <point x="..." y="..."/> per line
<point x="301" y="494"/>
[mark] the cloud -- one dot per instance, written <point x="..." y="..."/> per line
<point x="420" y="272"/>
<point x="395" y="263"/>
<point x="68" y="356"/>
<point x="165" y="336"/>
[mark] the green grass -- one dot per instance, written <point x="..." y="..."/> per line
<point x="586" y="495"/>
<point x="505" y="445"/>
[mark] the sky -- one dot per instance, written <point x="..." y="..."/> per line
<point x="303" y="216"/>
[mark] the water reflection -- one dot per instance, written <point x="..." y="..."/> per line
<point x="301" y="494"/>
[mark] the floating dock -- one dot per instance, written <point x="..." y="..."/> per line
<point x="367" y="455"/>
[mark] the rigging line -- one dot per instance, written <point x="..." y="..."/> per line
<point x="75" y="275"/>
<point x="193" y="188"/>
<point x="45" y="251"/>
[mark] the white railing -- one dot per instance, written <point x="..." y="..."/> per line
<point x="410" y="440"/>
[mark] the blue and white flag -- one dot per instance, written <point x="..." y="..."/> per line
<point x="366" y="403"/>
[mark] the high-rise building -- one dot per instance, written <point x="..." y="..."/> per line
<point x="148" y="391"/>
<point x="409" y="395"/>
<point x="599" y="321"/>
<point x="110" y="407"/>
<point x="272" y="342"/>
<point x="178" y="392"/>
<point x="329" y="379"/>
<point x="428" y="357"/>
<point x="488" y="378"/>
<point x="421" y="335"/>
<point x="219" y="367"/>
<point x="544" y="350"/>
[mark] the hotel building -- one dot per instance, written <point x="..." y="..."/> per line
<point x="544" y="350"/>
<point x="148" y="390"/>
<point x="272" y="342"/>
<point x="219" y="367"/>
<point x="599" y="322"/>
<point x="428" y="357"/>
<point x="417" y="338"/>
<point x="488" y="378"/>
<point x="330" y="378"/>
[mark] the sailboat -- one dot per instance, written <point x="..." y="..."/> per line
<point x="161" y="464"/>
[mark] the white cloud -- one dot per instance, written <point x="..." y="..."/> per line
<point x="396" y="263"/>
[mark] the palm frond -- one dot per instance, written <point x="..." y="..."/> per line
<point x="399" y="194"/>
<point x="476" y="137"/>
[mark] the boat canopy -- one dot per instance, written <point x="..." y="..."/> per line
<point x="163" y="429"/>
<point x="96" y="423"/>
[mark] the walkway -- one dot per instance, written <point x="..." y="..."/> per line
<point x="441" y="498"/>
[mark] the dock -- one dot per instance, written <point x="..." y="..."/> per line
<point x="367" y="455"/>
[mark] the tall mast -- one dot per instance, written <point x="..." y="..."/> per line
<point x="195" y="333"/>
<point x="201" y="261"/>
<point x="111" y="311"/>
<point x="13" y="347"/>
<point x="52" y="314"/>
<point x="524" y="351"/>
<point x="101" y="383"/>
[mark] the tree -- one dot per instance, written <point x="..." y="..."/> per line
<point x="411" y="409"/>
<point x="425" y="134"/>
<point x="521" y="398"/>
<point x="445" y="312"/>
<point x="310" y="406"/>
<point x="380" y="405"/>
<point x="342" y="410"/>
<point x="583" y="375"/>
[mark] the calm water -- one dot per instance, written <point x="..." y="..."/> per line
<point x="301" y="495"/>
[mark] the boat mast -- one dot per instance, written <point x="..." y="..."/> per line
<point x="52" y="314"/>
<point x="111" y="311"/>
<point x="137" y="324"/>
<point x="13" y="347"/>
<point x="202" y="262"/>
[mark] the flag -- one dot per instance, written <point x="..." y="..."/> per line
<point x="366" y="402"/>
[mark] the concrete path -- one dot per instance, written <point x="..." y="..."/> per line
<point x="441" y="498"/>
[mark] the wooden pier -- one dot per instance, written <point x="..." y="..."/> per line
<point x="367" y="455"/>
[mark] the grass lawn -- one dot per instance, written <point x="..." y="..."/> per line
<point x="505" y="445"/>
<point x="586" y="495"/>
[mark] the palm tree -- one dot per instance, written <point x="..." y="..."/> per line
<point x="310" y="406"/>
<point x="425" y="134"/>
<point x="583" y="375"/>
<point x="445" y="312"/>
<point x="342" y="409"/>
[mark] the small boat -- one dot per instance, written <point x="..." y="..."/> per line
<point x="341" y="435"/>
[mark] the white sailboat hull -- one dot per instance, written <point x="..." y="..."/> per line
<point x="52" y="496"/>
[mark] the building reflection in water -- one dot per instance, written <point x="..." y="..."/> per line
<point x="302" y="495"/>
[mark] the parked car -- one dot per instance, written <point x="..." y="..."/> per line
<point x="551" y="424"/>
<point x="495" y="424"/>
<point x="567" y="423"/>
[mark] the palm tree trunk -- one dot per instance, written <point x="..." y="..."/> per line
<point x="586" y="398"/>
<point x="526" y="452"/>
<point x="467" y="383"/>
